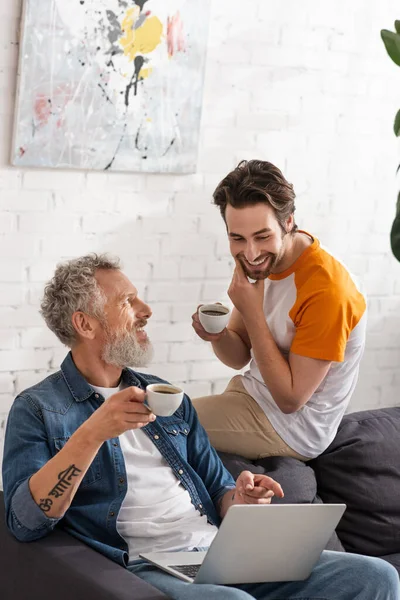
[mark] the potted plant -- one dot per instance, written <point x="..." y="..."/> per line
<point x="391" y="39"/>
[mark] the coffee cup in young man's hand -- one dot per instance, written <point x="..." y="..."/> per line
<point x="163" y="398"/>
<point x="214" y="317"/>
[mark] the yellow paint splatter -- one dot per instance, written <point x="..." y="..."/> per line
<point x="142" y="40"/>
<point x="145" y="72"/>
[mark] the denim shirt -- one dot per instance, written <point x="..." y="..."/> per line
<point x="44" y="417"/>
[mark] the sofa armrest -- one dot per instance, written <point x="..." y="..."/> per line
<point x="60" y="566"/>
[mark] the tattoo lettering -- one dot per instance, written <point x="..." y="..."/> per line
<point x="64" y="481"/>
<point x="45" y="504"/>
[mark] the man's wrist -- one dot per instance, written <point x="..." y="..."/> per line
<point x="86" y="436"/>
<point x="254" y="320"/>
<point x="222" y="337"/>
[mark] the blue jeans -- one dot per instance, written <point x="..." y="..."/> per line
<point x="336" y="576"/>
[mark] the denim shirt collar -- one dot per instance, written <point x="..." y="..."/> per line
<point x="79" y="387"/>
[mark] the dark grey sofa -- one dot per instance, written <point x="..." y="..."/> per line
<point x="61" y="567"/>
<point x="360" y="468"/>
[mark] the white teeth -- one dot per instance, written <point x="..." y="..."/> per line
<point x="257" y="262"/>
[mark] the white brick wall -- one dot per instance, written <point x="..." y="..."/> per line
<point x="307" y="85"/>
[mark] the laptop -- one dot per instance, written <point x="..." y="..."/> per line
<point x="258" y="543"/>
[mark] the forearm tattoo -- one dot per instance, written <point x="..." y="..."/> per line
<point x="63" y="483"/>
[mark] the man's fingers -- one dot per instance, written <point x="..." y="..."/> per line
<point x="136" y="425"/>
<point x="258" y="492"/>
<point x="250" y="500"/>
<point x="131" y="393"/>
<point x="258" y="486"/>
<point x="239" y="270"/>
<point x="245" y="481"/>
<point x="208" y="337"/>
<point x="142" y="410"/>
<point x="269" y="484"/>
<point x="140" y="418"/>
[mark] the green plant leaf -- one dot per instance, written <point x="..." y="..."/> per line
<point x="395" y="232"/>
<point x="397" y="26"/>
<point x="396" y="124"/>
<point x="392" y="44"/>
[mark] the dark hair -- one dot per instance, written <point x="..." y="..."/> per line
<point x="256" y="181"/>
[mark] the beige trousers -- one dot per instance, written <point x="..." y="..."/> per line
<point x="236" y="424"/>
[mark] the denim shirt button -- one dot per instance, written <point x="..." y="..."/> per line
<point x="96" y="396"/>
<point x="156" y="437"/>
<point x="180" y="471"/>
<point x="122" y="480"/>
<point x="200" y="506"/>
<point x="112" y="514"/>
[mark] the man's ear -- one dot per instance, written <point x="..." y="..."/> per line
<point x="289" y="223"/>
<point x="85" y="325"/>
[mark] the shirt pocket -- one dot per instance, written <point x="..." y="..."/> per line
<point x="93" y="473"/>
<point x="177" y="432"/>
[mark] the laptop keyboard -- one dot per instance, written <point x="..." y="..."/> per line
<point x="188" y="570"/>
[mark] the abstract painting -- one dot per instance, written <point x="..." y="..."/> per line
<point x="110" y="84"/>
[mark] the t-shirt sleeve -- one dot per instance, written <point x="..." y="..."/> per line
<point x="323" y="325"/>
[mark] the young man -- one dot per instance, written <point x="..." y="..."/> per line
<point x="83" y="451"/>
<point x="300" y="320"/>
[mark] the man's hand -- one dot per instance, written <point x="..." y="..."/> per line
<point x="256" y="489"/>
<point x="201" y="332"/>
<point x="122" y="411"/>
<point x="247" y="297"/>
<point x="250" y="489"/>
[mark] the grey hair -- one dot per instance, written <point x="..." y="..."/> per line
<point x="75" y="288"/>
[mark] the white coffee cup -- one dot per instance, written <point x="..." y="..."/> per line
<point x="214" y="323"/>
<point x="163" y="398"/>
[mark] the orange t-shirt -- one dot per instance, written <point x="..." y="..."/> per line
<point x="313" y="309"/>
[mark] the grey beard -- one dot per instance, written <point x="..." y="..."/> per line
<point x="123" y="350"/>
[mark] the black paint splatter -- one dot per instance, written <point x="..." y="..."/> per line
<point x="140" y="3"/>
<point x="117" y="149"/>
<point x="169" y="147"/>
<point x="137" y="138"/>
<point x="104" y="93"/>
<point x="138" y="62"/>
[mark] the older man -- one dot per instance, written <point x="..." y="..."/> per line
<point x="83" y="450"/>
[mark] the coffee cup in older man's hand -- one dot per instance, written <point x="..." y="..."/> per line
<point x="163" y="399"/>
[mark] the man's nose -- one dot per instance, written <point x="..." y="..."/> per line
<point x="251" y="252"/>
<point x="143" y="310"/>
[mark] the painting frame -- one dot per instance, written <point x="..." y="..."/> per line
<point x="126" y="96"/>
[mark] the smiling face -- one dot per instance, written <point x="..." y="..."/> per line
<point x="125" y="343"/>
<point x="257" y="239"/>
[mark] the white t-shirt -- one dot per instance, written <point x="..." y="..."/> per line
<point x="157" y="513"/>
<point x="313" y="309"/>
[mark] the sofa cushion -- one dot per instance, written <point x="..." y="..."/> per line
<point x="296" y="478"/>
<point x="362" y="469"/>
<point x="393" y="559"/>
